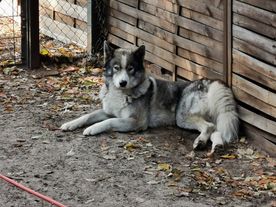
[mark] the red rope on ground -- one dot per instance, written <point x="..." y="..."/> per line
<point x="22" y="187"/>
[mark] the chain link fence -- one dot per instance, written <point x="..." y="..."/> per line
<point x="10" y="32"/>
<point x="66" y="27"/>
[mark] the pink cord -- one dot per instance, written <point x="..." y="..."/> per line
<point x="18" y="185"/>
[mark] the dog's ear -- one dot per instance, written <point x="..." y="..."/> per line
<point x="108" y="51"/>
<point x="140" y="52"/>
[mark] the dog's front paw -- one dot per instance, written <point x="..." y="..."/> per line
<point x="69" y="126"/>
<point x="93" y="130"/>
<point x="88" y="131"/>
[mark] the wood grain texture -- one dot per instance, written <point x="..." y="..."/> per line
<point x="254" y="75"/>
<point x="269" y="5"/>
<point x="254" y="64"/>
<point x="257" y="120"/>
<point x="254" y="90"/>
<point x="247" y="98"/>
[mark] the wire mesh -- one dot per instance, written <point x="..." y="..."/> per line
<point x="10" y="32"/>
<point x="64" y="29"/>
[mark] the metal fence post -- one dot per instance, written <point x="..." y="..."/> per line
<point x="90" y="24"/>
<point x="30" y="33"/>
<point x="96" y="25"/>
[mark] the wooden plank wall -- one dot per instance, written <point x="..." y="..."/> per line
<point x="192" y="39"/>
<point x="254" y="65"/>
<point x="183" y="37"/>
<point x="65" y="20"/>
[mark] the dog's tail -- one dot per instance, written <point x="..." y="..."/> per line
<point x="223" y="111"/>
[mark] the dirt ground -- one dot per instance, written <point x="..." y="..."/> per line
<point x="113" y="169"/>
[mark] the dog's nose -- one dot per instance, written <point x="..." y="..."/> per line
<point x="123" y="83"/>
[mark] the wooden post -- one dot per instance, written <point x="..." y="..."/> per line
<point x="227" y="43"/>
<point x="30" y="33"/>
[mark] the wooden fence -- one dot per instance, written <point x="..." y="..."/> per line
<point x="233" y="41"/>
<point x="254" y="67"/>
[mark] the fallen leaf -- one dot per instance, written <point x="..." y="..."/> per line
<point x="229" y="156"/>
<point x="70" y="69"/>
<point x="131" y="146"/>
<point x="164" y="167"/>
<point x="9" y="70"/>
<point x="44" y="52"/>
<point x="242" y="193"/>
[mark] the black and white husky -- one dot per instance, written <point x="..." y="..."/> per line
<point x="133" y="101"/>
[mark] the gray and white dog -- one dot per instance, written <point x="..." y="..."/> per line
<point x="133" y="101"/>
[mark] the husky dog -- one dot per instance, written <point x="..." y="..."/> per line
<point x="133" y="101"/>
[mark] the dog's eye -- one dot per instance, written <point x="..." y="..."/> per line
<point x="130" y="68"/>
<point x="116" y="67"/>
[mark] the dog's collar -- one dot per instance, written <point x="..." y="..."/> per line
<point x="141" y="89"/>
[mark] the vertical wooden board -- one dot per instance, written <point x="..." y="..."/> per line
<point x="228" y="41"/>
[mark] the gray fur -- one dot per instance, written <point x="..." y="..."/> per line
<point x="133" y="101"/>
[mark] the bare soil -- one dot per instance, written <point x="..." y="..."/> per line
<point x="150" y="168"/>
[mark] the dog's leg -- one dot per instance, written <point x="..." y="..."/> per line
<point x="199" y="123"/>
<point x="88" y="119"/>
<point x="216" y="140"/>
<point x="114" y="124"/>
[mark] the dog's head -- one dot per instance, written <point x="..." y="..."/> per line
<point x="124" y="67"/>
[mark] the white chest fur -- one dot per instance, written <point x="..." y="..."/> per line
<point x="114" y="101"/>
